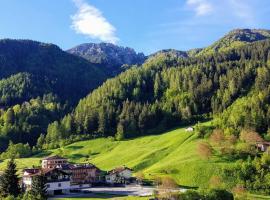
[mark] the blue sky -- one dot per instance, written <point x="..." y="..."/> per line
<point x="145" y="25"/>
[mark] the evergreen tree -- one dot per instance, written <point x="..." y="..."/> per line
<point x="9" y="183"/>
<point x="39" y="189"/>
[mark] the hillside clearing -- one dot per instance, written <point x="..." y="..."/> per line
<point x="170" y="154"/>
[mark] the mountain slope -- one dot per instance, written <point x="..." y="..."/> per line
<point x="51" y="69"/>
<point x="108" y="55"/>
<point x="172" y="153"/>
<point x="165" y="92"/>
<point x="39" y="83"/>
<point x="236" y="38"/>
<point x="170" y="52"/>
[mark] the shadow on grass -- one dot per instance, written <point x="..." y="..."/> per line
<point x="188" y="187"/>
<point x="77" y="156"/>
<point x="74" y="147"/>
<point x="42" y="154"/>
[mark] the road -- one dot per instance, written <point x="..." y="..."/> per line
<point x="133" y="190"/>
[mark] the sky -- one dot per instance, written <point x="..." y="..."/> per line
<point x="145" y="25"/>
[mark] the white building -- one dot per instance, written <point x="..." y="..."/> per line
<point x="119" y="175"/>
<point x="57" y="181"/>
<point x="189" y="129"/>
<point x="53" y="161"/>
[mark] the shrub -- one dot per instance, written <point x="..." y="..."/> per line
<point x="204" y="150"/>
<point x="219" y="194"/>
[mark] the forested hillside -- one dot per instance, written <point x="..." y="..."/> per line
<point x="169" y="91"/>
<point x="39" y="83"/>
<point x="43" y="68"/>
<point x="235" y="38"/>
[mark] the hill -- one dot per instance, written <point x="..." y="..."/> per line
<point x="236" y="38"/>
<point x="39" y="83"/>
<point x="172" y="153"/>
<point x="170" y="52"/>
<point x="167" y="91"/>
<point x="46" y="69"/>
<point x="109" y="56"/>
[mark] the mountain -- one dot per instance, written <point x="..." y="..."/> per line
<point x="39" y="83"/>
<point x="108" y="55"/>
<point x="43" y="68"/>
<point x="167" y="91"/>
<point x="236" y="38"/>
<point x="171" y="53"/>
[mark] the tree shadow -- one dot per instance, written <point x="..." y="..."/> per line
<point x="74" y="147"/>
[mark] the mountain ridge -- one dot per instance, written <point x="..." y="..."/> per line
<point x="108" y="55"/>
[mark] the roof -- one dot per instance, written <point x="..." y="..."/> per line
<point x="36" y="172"/>
<point x="119" y="169"/>
<point x="263" y="143"/>
<point x="56" y="157"/>
<point x="82" y="166"/>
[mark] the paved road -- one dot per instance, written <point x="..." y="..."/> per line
<point x="121" y="191"/>
<point x="126" y="191"/>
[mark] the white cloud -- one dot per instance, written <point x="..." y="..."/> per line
<point x="89" y="21"/>
<point x="201" y="7"/>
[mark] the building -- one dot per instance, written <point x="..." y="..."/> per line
<point x="57" y="181"/>
<point x="53" y="161"/>
<point x="120" y="175"/>
<point x="263" y="146"/>
<point x="62" y="176"/>
<point x="84" y="174"/>
<point x="189" y="129"/>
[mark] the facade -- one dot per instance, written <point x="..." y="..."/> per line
<point x="189" y="129"/>
<point x="57" y="181"/>
<point x="121" y="175"/>
<point x="53" y="161"/>
<point x="62" y="176"/>
<point x="84" y="174"/>
<point x="263" y="146"/>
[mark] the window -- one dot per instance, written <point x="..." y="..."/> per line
<point x="59" y="184"/>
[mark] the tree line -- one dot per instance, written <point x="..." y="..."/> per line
<point x="168" y="91"/>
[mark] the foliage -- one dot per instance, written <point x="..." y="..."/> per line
<point x="39" y="189"/>
<point x="168" y="91"/>
<point x="204" y="150"/>
<point x="253" y="175"/>
<point x="9" y="181"/>
<point x="24" y="123"/>
<point x="17" y="151"/>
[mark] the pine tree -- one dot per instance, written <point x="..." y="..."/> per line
<point x="39" y="189"/>
<point x="9" y="183"/>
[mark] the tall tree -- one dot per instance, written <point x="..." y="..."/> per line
<point x="39" y="188"/>
<point x="9" y="183"/>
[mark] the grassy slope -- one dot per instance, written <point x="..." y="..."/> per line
<point x="172" y="153"/>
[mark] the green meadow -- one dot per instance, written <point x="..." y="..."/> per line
<point x="172" y="153"/>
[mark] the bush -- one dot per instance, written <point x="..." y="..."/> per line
<point x="17" y="151"/>
<point x="190" y="195"/>
<point x="204" y="150"/>
<point x="218" y="194"/>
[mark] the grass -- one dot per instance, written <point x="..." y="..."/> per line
<point x="170" y="154"/>
<point x="258" y="197"/>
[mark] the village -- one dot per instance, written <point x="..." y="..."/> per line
<point x="63" y="177"/>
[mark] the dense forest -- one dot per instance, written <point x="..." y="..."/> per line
<point x="168" y="91"/>
<point x="40" y="83"/>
